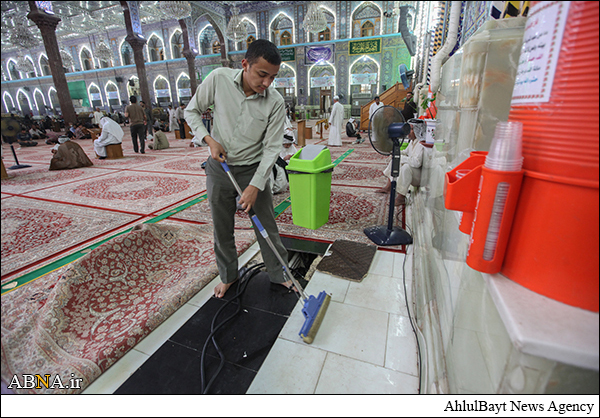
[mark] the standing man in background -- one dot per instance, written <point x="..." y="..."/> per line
<point x="172" y="119"/>
<point x="179" y="114"/>
<point x="336" y="120"/>
<point x="149" y="118"/>
<point x="410" y="107"/>
<point x="374" y="107"/>
<point x="97" y="116"/>
<point x="247" y="132"/>
<point x="138" y="121"/>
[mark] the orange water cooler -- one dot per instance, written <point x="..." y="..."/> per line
<point x="553" y="245"/>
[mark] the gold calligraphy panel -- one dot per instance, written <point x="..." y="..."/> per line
<point x="370" y="46"/>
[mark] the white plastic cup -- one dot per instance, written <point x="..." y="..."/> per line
<point x="506" y="150"/>
<point x="461" y="173"/>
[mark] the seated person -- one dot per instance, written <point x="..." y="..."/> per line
<point x="288" y="129"/>
<point x="111" y="134"/>
<point x="24" y="138"/>
<point x="68" y="154"/>
<point x="288" y="149"/>
<point x="158" y="126"/>
<point x="47" y="122"/>
<point x="95" y="118"/>
<point x="36" y="132"/>
<point x="81" y="132"/>
<point x="411" y="162"/>
<point x="352" y="130"/>
<point x="160" y="140"/>
<point x="279" y="177"/>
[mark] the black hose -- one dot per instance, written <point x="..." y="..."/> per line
<point x="241" y="287"/>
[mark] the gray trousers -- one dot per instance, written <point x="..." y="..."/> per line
<point x="221" y="196"/>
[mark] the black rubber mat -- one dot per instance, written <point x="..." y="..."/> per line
<point x="348" y="260"/>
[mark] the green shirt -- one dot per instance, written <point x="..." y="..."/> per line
<point x="249" y="128"/>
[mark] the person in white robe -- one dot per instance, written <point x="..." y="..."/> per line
<point x="173" y="124"/>
<point x="411" y="162"/>
<point x="97" y="116"/>
<point x="279" y="177"/>
<point x="288" y="129"/>
<point x="374" y="106"/>
<point x="336" y="120"/>
<point x="111" y="134"/>
<point x="287" y="149"/>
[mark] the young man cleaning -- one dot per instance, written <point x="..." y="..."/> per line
<point x="247" y="131"/>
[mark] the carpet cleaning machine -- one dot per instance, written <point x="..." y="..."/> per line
<point x="314" y="307"/>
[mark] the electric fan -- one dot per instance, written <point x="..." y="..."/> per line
<point x="386" y="128"/>
<point x="405" y="75"/>
<point x="9" y="129"/>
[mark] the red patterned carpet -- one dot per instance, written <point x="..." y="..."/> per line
<point x="33" y="230"/>
<point x="81" y="319"/>
<point x="351" y="209"/>
<point x="84" y="316"/>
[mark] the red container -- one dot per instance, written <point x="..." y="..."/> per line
<point x="553" y="246"/>
<point x="496" y="202"/>
<point x="461" y="193"/>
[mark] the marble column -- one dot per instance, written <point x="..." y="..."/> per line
<point x="190" y="56"/>
<point x="47" y="25"/>
<point x="137" y="44"/>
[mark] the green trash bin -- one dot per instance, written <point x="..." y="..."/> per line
<point x="309" y="171"/>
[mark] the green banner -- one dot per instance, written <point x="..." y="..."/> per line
<point x="370" y="46"/>
<point x="78" y="90"/>
<point x="288" y="54"/>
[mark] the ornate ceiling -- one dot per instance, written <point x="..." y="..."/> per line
<point x="82" y="18"/>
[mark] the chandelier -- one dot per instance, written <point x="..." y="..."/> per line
<point x="67" y="59"/>
<point x="21" y="36"/>
<point x="236" y="29"/>
<point x="175" y="9"/>
<point x="103" y="52"/>
<point x="315" y="20"/>
<point x="24" y="65"/>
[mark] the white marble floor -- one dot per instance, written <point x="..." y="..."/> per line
<point x="365" y="344"/>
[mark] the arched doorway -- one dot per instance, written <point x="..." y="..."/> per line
<point x="364" y="76"/>
<point x="9" y="104"/>
<point x="44" y="65"/>
<point x="184" y="89"/>
<point x="328" y="33"/>
<point x="87" y="63"/>
<point x="156" y="51"/>
<point x="285" y="83"/>
<point x="177" y="45"/>
<point x="54" y="100"/>
<point x="133" y="88"/>
<point x="12" y="70"/>
<point x="112" y="95"/>
<point x="95" y="96"/>
<point x="366" y="20"/>
<point x="40" y="102"/>
<point x="162" y="91"/>
<point x="282" y="30"/>
<point x="24" y="103"/>
<point x="322" y="87"/>
<point x="126" y="53"/>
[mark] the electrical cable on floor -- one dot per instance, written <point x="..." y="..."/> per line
<point x="241" y="287"/>
<point x="408" y="309"/>
<point x="248" y="274"/>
